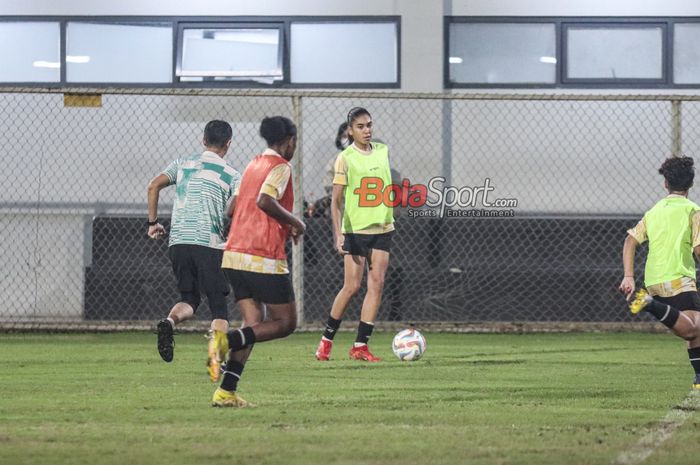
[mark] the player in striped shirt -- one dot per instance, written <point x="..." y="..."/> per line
<point x="672" y="228"/>
<point x="204" y="185"/>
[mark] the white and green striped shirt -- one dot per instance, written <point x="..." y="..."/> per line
<point x="204" y="185"/>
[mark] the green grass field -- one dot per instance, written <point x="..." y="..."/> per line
<point x="476" y="399"/>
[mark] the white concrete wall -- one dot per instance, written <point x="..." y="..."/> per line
<point x="358" y="7"/>
<point x="42" y="266"/>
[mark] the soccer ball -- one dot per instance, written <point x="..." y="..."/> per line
<point x="408" y="345"/>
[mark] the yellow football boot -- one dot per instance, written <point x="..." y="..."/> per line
<point x="641" y="300"/>
<point x="223" y="398"/>
<point x="218" y="347"/>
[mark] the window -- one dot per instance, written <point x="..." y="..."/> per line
<point x="230" y="53"/>
<point x="30" y="52"/>
<point x="119" y="53"/>
<point x="192" y="51"/>
<point x="645" y="52"/>
<point x="502" y="53"/>
<point x="686" y="53"/>
<point x="319" y="53"/>
<point x="612" y="53"/>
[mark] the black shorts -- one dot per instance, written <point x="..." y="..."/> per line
<point x="272" y="289"/>
<point x="198" y="270"/>
<point x="362" y="244"/>
<point x="684" y="301"/>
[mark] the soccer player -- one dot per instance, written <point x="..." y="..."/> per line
<point x="672" y="228"/>
<point x="362" y="234"/>
<point x="255" y="261"/>
<point x="204" y="185"/>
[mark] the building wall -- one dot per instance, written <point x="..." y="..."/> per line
<point x="422" y="20"/>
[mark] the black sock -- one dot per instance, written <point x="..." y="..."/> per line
<point x="332" y="326"/>
<point x="364" y="331"/>
<point x="232" y="374"/>
<point x="663" y="312"/>
<point x="240" y="338"/>
<point x="694" y="356"/>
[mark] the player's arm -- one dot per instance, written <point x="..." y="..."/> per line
<point x="155" y="230"/>
<point x="337" y="202"/>
<point x="268" y="200"/>
<point x="628" y="251"/>
<point x="695" y="232"/>
<point x="340" y="180"/>
<point x="231" y="207"/>
<point x="228" y="215"/>
<point x="635" y="236"/>
<point x="272" y="207"/>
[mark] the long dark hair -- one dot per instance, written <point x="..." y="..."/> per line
<point x="342" y="132"/>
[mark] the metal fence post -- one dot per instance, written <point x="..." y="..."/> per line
<point x="676" y="146"/>
<point x="297" y="173"/>
<point x="447" y="141"/>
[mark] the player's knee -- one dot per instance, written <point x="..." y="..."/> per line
<point x="376" y="282"/>
<point x="289" y="325"/>
<point x="250" y="321"/>
<point x="351" y="288"/>
<point x="292" y="325"/>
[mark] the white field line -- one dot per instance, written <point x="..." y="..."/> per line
<point x="662" y="432"/>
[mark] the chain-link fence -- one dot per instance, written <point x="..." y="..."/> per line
<point x="574" y="171"/>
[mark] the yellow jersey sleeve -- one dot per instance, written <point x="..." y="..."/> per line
<point x="695" y="228"/>
<point x="341" y="171"/>
<point x="639" y="232"/>
<point x="276" y="181"/>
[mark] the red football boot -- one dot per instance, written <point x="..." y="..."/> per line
<point x="323" y="352"/>
<point x="362" y="353"/>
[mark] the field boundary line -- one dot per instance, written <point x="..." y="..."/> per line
<point x="663" y="431"/>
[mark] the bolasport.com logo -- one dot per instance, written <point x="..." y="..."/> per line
<point x="436" y="200"/>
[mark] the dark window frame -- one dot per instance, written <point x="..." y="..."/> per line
<point x="62" y="48"/>
<point x="345" y="20"/>
<point x="121" y="21"/>
<point x="566" y="25"/>
<point x="181" y="26"/>
<point x="496" y="20"/>
<point x="561" y="24"/>
<point x="209" y="21"/>
<point x="671" y="50"/>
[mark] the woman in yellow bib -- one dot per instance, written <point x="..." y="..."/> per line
<point x="362" y="228"/>
<point x="672" y="228"/>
